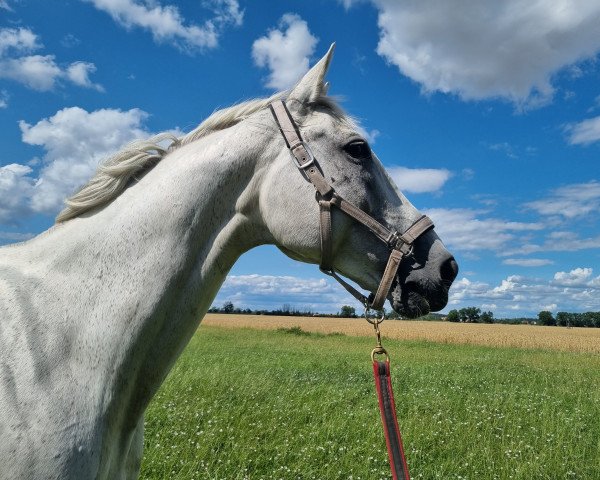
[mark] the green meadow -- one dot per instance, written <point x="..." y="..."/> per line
<point x="286" y="404"/>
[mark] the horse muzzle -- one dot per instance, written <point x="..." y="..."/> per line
<point x="413" y="295"/>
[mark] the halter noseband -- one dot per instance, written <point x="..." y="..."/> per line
<point x="400" y="245"/>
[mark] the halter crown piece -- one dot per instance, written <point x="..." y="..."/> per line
<point x="400" y="245"/>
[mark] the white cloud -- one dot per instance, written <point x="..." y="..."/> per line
<point x="271" y="292"/>
<point x="472" y="231"/>
<point x="166" y="23"/>
<point x="574" y="291"/>
<point x="75" y="141"/>
<point x="576" y="277"/>
<point x="555" y="242"/>
<point x="419" y="180"/>
<point x="464" y="289"/>
<point x="285" y="51"/>
<point x="577" y="290"/>
<point x="38" y="72"/>
<point x="571" y="201"/>
<point x="565" y="204"/>
<point x="18" y="40"/>
<point x="3" y="99"/>
<point x="79" y="72"/>
<point x="584" y="132"/>
<point x="462" y="229"/>
<point x="4" y="5"/>
<point x="16" y="188"/>
<point x="527" y="262"/>
<point x="483" y="50"/>
<point x="227" y="11"/>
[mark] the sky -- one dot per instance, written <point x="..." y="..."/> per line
<point x="486" y="114"/>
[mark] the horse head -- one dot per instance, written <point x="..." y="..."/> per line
<point x="346" y="165"/>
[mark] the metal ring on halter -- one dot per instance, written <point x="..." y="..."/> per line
<point x="407" y="249"/>
<point x="373" y="322"/>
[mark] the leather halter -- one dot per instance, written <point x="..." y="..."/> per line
<point x="400" y="246"/>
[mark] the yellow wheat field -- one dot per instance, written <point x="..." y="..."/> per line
<point x="521" y="336"/>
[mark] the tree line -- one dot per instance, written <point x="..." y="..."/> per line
<point x="470" y="315"/>
<point x="562" y="319"/>
<point x="346" y="311"/>
<point x="285" y="310"/>
<point x="567" y="319"/>
<point x="463" y="315"/>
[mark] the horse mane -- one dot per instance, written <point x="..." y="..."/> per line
<point x="115" y="174"/>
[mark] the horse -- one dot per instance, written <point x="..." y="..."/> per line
<point x="95" y="311"/>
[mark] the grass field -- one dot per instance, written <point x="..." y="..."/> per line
<point x="287" y="404"/>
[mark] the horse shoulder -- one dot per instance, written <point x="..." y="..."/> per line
<point x="31" y="359"/>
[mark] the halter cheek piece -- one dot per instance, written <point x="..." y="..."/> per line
<point x="400" y="245"/>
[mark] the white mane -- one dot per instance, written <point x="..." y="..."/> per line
<point x="116" y="173"/>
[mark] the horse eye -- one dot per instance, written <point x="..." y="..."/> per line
<point x="358" y="149"/>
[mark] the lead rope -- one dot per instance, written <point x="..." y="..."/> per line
<point x="387" y="405"/>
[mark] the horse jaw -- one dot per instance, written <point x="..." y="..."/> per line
<point x="408" y="303"/>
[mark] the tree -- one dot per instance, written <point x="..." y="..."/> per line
<point x="545" y="318"/>
<point x="564" y="319"/>
<point x="453" y="316"/>
<point x="469" y="314"/>
<point x="348" y="311"/>
<point x="592" y="319"/>
<point x="228" y="307"/>
<point x="487" y="317"/>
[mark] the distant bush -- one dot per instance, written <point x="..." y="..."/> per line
<point x="297" y="330"/>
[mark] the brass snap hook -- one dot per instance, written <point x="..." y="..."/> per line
<point x="379" y="350"/>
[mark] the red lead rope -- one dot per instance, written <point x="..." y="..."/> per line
<point x="387" y="406"/>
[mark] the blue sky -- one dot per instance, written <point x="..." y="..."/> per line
<point x="486" y="114"/>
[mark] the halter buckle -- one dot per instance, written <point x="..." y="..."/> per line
<point x="393" y="239"/>
<point x="306" y="162"/>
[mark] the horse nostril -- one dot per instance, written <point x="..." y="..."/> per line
<point x="449" y="270"/>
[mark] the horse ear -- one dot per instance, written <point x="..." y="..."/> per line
<point x="312" y="85"/>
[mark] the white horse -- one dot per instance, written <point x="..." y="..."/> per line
<point x="95" y="311"/>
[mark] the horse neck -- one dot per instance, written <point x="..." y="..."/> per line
<point x="139" y="275"/>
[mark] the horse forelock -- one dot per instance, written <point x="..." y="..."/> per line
<point x="117" y="172"/>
